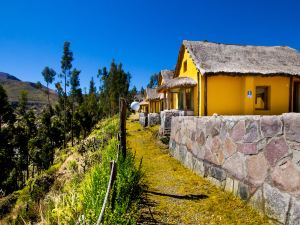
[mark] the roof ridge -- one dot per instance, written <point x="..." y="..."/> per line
<point x="231" y="44"/>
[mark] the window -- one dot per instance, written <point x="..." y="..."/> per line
<point x="174" y="100"/>
<point x="185" y="66"/>
<point x="262" y="98"/>
<point x="188" y="99"/>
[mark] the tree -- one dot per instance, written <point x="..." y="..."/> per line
<point x="133" y="90"/>
<point x="75" y="93"/>
<point x="92" y="88"/>
<point x="153" y="81"/>
<point x="115" y="84"/>
<point x="48" y="75"/>
<point x="38" y="85"/>
<point x="23" y="100"/>
<point x="88" y="113"/>
<point x="6" y="114"/>
<point x="142" y="91"/>
<point x="8" y="181"/>
<point x="25" y="129"/>
<point x="66" y="66"/>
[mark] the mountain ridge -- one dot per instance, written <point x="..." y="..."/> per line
<point x="36" y="96"/>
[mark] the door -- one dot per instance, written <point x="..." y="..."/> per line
<point x="296" y="97"/>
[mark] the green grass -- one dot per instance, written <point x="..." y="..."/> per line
<point x="82" y="197"/>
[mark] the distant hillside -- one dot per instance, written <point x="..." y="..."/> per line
<point x="36" y="96"/>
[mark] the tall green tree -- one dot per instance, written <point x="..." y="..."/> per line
<point x="48" y="75"/>
<point x="75" y="93"/>
<point x="92" y="88"/>
<point x="8" y="180"/>
<point x="115" y="84"/>
<point x="153" y="80"/>
<point x="66" y="66"/>
<point x="25" y="129"/>
<point x="142" y="91"/>
<point x="6" y="112"/>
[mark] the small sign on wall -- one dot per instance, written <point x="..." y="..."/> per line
<point x="249" y="94"/>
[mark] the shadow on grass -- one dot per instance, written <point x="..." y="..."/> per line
<point x="185" y="197"/>
<point x="148" y="216"/>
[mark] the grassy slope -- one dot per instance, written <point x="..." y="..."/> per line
<point x="78" y="184"/>
<point x="169" y="181"/>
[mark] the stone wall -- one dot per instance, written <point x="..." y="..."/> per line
<point x="153" y="119"/>
<point x="143" y="118"/>
<point x="165" y="119"/>
<point x="255" y="157"/>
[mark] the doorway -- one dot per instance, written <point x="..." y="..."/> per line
<point x="296" y="97"/>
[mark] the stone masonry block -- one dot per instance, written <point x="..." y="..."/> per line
<point x="275" y="150"/>
<point x="276" y="203"/>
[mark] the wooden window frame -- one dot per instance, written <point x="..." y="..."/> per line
<point x="266" y="98"/>
<point x="184" y="65"/>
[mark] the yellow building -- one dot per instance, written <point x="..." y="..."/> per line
<point x="154" y="100"/>
<point x="234" y="79"/>
<point x="144" y="106"/>
<point x="164" y="77"/>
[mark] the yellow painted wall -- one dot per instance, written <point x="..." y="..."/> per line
<point x="154" y="106"/>
<point x="174" y="100"/>
<point x="190" y="72"/>
<point x="144" y="108"/>
<point x="279" y="94"/>
<point x="225" y="95"/>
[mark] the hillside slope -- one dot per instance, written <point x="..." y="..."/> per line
<point x="72" y="190"/>
<point x="13" y="87"/>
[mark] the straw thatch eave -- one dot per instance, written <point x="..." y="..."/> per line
<point x="231" y="74"/>
<point x="144" y="103"/>
<point x="152" y="94"/>
<point x="178" y="82"/>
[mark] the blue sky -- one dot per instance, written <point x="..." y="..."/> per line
<point x="144" y="35"/>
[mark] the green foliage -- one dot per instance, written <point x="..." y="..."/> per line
<point x="72" y="165"/>
<point x="92" y="89"/>
<point x="83" y="201"/>
<point x="153" y="81"/>
<point x="48" y="75"/>
<point x="142" y="91"/>
<point x="53" y="169"/>
<point x="115" y="84"/>
<point x="7" y="203"/>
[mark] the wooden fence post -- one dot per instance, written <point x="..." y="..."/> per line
<point x="122" y="104"/>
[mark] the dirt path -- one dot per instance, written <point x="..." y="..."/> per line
<point x="176" y="195"/>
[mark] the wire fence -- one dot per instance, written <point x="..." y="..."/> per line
<point x="109" y="188"/>
<point x="121" y="136"/>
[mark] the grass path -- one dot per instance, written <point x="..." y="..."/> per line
<point x="175" y="195"/>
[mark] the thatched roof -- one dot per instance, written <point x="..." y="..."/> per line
<point x="144" y="103"/>
<point x="167" y="74"/>
<point x="138" y="97"/>
<point x="152" y="94"/>
<point x="178" y="82"/>
<point x="213" y="58"/>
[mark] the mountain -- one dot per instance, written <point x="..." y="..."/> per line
<point x="36" y="96"/>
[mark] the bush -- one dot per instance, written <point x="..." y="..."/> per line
<point x="7" y="203"/>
